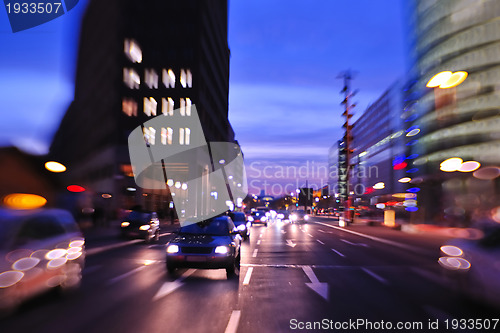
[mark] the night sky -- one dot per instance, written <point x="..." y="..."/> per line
<point x="284" y="90"/>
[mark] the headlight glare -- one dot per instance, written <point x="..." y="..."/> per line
<point x="172" y="249"/>
<point x="144" y="227"/>
<point x="125" y="224"/>
<point x="221" y="249"/>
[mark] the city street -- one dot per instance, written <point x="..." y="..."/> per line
<point x="291" y="276"/>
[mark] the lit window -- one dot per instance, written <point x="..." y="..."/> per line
<point x="129" y="107"/>
<point x="133" y="51"/>
<point x="189" y="78"/>
<point x="168" y="78"/>
<point x="184" y="136"/>
<point x="167" y="105"/>
<point x="149" y="135"/>
<point x="131" y="78"/>
<point x="183" y="78"/>
<point x="150" y="106"/>
<point x="151" y="78"/>
<point x="183" y="107"/>
<point x="166" y="135"/>
<point x="188" y="107"/>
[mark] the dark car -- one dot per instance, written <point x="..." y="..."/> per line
<point x="39" y="249"/>
<point x="214" y="243"/>
<point x="259" y="216"/>
<point x="138" y="224"/>
<point x="283" y="216"/>
<point x="299" y="216"/>
<point x="242" y="225"/>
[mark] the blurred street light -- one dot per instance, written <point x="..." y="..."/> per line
<point x="55" y="166"/>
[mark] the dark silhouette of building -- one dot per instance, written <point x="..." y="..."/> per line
<point x="137" y="60"/>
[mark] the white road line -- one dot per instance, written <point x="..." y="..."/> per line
<point x="317" y="240"/>
<point x="340" y="254"/>
<point x="353" y="244"/>
<point x="100" y="249"/>
<point x="234" y="320"/>
<point x="169" y="287"/>
<point x="258" y="242"/>
<point x="246" y="280"/>
<point x="260" y="236"/>
<point x="310" y="235"/>
<point x="377" y="239"/>
<point x="254" y="254"/>
<point x="375" y="276"/>
<point x="123" y="276"/>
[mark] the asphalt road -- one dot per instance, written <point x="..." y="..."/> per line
<point x="294" y="277"/>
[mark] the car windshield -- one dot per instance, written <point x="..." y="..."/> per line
<point x="215" y="227"/>
<point x="138" y="217"/>
<point x="238" y="218"/>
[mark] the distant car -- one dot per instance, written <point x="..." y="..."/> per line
<point x="299" y="216"/>
<point x="39" y="250"/>
<point x="283" y="216"/>
<point x="138" y="224"/>
<point x="259" y="216"/>
<point x="471" y="266"/>
<point x="214" y="244"/>
<point x="242" y="225"/>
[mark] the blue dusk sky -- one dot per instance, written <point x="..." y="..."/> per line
<point x="284" y="91"/>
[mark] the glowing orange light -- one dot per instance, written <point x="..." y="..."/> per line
<point x="439" y="79"/>
<point x="75" y="188"/>
<point x="24" y="201"/>
<point x="55" y="166"/>
<point x="454" y="80"/>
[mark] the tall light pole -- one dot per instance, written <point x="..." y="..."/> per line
<point x="345" y="149"/>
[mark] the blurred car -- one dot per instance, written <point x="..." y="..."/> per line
<point x="39" y="250"/>
<point x="472" y="267"/>
<point x="299" y="216"/>
<point x="259" y="216"/>
<point x="242" y="225"/>
<point x="283" y="216"/>
<point x="138" y="224"/>
<point x="214" y="244"/>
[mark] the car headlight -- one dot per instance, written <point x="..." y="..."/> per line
<point x="172" y="249"/>
<point x="250" y="218"/>
<point x="144" y="227"/>
<point x="280" y="216"/>
<point x="263" y="218"/>
<point x="125" y="224"/>
<point x="221" y="249"/>
<point x="306" y="217"/>
<point x="293" y="217"/>
<point x="241" y="227"/>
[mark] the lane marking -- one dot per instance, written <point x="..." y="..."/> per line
<point x="100" y="249"/>
<point x="353" y="244"/>
<point x="234" y="320"/>
<point x="310" y="235"/>
<point x="375" y="276"/>
<point x="254" y="254"/>
<point x="258" y="242"/>
<point x="340" y="254"/>
<point x="169" y="287"/>
<point x="123" y="276"/>
<point x="290" y="243"/>
<point x="246" y="281"/>
<point x="320" y="242"/>
<point x="321" y="288"/>
<point x="381" y="240"/>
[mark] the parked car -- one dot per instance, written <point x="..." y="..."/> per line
<point x="214" y="244"/>
<point x="39" y="250"/>
<point x="259" y="216"/>
<point x="242" y="225"/>
<point x="472" y="266"/>
<point x="139" y="224"/>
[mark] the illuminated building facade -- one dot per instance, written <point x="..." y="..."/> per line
<point x="461" y="121"/>
<point x="138" y="60"/>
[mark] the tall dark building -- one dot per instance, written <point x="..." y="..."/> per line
<point x="138" y="60"/>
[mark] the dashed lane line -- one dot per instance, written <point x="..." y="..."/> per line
<point x="317" y="240"/>
<point x="375" y="276"/>
<point x="246" y="280"/>
<point x="234" y="320"/>
<point x="339" y="253"/>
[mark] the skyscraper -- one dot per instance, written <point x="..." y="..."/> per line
<point x="138" y="60"/>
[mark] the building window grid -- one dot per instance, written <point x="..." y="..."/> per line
<point x="150" y="106"/>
